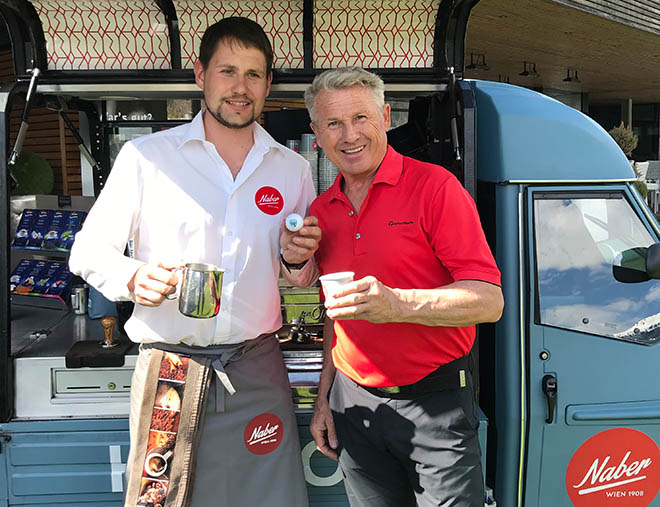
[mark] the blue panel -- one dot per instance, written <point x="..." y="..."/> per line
<point x="524" y="135"/>
<point x="60" y="480"/>
<point x="65" y="448"/>
<point x="71" y="468"/>
<point x="508" y="386"/>
<point x="3" y="474"/>
<point x="483" y="439"/>
<point x="49" y="466"/>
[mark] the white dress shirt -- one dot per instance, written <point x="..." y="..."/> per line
<point x="175" y="196"/>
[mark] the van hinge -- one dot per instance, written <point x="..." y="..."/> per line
<point x="4" y="438"/>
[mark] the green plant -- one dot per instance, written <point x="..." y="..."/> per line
<point x="642" y="188"/>
<point x="625" y="138"/>
<point x="33" y="173"/>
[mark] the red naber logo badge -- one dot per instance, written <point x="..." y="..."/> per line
<point x="619" y="467"/>
<point x="269" y="200"/>
<point x="263" y="434"/>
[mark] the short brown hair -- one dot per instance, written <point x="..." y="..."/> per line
<point x="242" y="31"/>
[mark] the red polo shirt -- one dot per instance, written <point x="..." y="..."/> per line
<point x="417" y="228"/>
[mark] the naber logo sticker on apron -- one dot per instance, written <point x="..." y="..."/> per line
<point x="263" y="434"/>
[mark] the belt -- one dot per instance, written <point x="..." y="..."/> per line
<point x="220" y="356"/>
<point x="452" y="375"/>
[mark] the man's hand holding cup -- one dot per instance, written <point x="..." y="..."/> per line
<point x="364" y="299"/>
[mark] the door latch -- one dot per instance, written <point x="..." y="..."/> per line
<point x="549" y="384"/>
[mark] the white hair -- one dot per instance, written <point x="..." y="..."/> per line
<point x="339" y="79"/>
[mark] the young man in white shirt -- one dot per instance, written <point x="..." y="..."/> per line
<point x="213" y="191"/>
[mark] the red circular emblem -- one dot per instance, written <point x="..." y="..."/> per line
<point x="620" y="466"/>
<point x="269" y="200"/>
<point x="315" y="146"/>
<point x="263" y="434"/>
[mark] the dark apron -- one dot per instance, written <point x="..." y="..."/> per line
<point x="241" y="449"/>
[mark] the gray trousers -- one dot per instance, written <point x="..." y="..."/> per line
<point x="240" y="464"/>
<point x="406" y="452"/>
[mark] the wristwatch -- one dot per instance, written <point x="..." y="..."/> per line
<point x="290" y="266"/>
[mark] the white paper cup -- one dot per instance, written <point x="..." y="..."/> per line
<point x="332" y="282"/>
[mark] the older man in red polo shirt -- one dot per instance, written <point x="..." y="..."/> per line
<point x="400" y="416"/>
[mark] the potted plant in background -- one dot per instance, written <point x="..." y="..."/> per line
<point x="627" y="141"/>
<point x="34" y="175"/>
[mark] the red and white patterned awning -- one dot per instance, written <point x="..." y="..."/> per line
<point x="133" y="34"/>
<point x="391" y="34"/>
<point x="104" y="34"/>
<point x="282" y="20"/>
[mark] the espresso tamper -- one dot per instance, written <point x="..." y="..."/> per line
<point x="108" y="324"/>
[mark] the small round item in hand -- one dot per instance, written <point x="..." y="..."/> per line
<point x="294" y="222"/>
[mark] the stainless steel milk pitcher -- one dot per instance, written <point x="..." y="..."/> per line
<point x="200" y="290"/>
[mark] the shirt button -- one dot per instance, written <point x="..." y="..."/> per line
<point x="357" y="236"/>
<point x="351" y="213"/>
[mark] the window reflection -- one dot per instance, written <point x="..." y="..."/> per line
<point x="577" y="239"/>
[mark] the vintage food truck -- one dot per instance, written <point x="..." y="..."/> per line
<point x="567" y="379"/>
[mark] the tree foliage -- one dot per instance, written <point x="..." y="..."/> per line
<point x="642" y="188"/>
<point x="625" y="138"/>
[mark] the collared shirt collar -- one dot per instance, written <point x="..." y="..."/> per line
<point x="263" y="141"/>
<point x="195" y="130"/>
<point x="389" y="173"/>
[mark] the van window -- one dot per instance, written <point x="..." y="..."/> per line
<point x="577" y="238"/>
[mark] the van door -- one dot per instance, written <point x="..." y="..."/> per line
<point x="592" y="350"/>
<point x="4" y="439"/>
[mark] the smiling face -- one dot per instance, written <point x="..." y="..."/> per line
<point x="352" y="130"/>
<point x="235" y="84"/>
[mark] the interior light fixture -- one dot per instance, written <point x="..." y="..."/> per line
<point x="571" y="78"/>
<point x="532" y="71"/>
<point x="477" y="62"/>
<point x="525" y="72"/>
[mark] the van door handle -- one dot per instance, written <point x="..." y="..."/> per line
<point x="549" y="384"/>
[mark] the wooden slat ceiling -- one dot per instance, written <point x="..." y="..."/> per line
<point x="614" y="61"/>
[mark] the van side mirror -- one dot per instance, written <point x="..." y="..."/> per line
<point x="637" y="264"/>
<point x="653" y="260"/>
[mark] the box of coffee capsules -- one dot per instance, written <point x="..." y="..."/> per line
<point x="45" y="279"/>
<point x="19" y="273"/>
<point x="24" y="227"/>
<point x="55" y="229"/>
<point x="39" y="228"/>
<point x="60" y="283"/>
<point x="72" y="225"/>
<point x="32" y="276"/>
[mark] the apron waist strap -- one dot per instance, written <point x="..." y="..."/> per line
<point x="220" y="356"/>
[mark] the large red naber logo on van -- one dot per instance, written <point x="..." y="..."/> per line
<point x="619" y="467"/>
<point x="263" y="434"/>
<point x="269" y="200"/>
